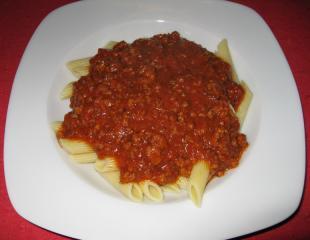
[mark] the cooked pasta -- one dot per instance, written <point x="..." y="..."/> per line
<point x="182" y="182"/>
<point x="79" y="67"/>
<point x="198" y="181"/>
<point x="173" y="187"/>
<point x="244" y="106"/>
<point x="130" y="190"/>
<point x="67" y="91"/>
<point x="75" y="146"/>
<point x="90" y="157"/>
<point x="56" y="126"/>
<point x="106" y="165"/>
<point x="224" y="53"/>
<point x="152" y="191"/>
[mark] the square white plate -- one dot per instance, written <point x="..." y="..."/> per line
<point x="50" y="191"/>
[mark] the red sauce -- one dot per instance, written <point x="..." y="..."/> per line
<point x="157" y="106"/>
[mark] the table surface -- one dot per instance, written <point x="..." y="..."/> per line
<point x="288" y="19"/>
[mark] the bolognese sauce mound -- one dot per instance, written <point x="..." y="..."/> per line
<point x="157" y="106"/>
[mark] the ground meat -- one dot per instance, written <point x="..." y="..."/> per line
<point x="158" y="105"/>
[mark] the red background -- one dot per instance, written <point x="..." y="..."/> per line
<point x="288" y="19"/>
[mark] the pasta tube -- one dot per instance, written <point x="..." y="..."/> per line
<point x="110" y="45"/>
<point x="67" y="91"/>
<point x="198" y="181"/>
<point x="56" y="126"/>
<point x="244" y="106"/>
<point x="105" y="165"/>
<point x="152" y="191"/>
<point x="84" y="157"/>
<point x="79" y="67"/>
<point x="75" y="146"/>
<point x="182" y="182"/>
<point x="171" y="188"/>
<point x="223" y="52"/>
<point x="130" y="190"/>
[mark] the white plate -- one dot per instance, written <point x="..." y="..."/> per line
<point x="48" y="190"/>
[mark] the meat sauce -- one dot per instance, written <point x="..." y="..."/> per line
<point x="157" y="106"/>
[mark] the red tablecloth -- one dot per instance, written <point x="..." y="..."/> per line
<point x="289" y="21"/>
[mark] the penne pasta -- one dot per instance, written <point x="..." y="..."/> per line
<point x="79" y="67"/>
<point x="171" y="188"/>
<point x="106" y="165"/>
<point x="110" y="45"/>
<point x="223" y="52"/>
<point x="198" y="181"/>
<point x="152" y="191"/>
<point x="84" y="157"/>
<point x="56" y="126"/>
<point x="130" y="190"/>
<point x="75" y="146"/>
<point x="182" y="182"/>
<point x="244" y="106"/>
<point x="67" y="91"/>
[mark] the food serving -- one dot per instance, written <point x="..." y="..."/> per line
<point x="159" y="114"/>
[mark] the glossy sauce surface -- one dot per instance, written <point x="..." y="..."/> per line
<point x="158" y="106"/>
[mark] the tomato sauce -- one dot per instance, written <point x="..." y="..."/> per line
<point x="158" y="105"/>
